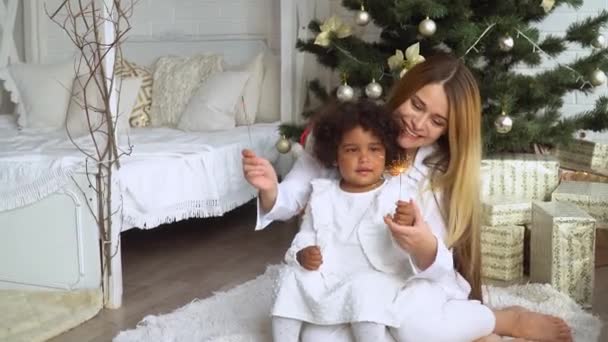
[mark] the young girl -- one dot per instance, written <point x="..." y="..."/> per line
<point x="343" y="265"/>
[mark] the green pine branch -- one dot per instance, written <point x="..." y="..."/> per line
<point x="586" y="31"/>
<point x="595" y="119"/>
<point x="291" y="131"/>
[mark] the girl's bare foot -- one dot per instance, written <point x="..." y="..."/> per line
<point x="531" y="325"/>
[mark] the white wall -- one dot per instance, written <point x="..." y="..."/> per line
<point x="555" y="24"/>
<point x="167" y="18"/>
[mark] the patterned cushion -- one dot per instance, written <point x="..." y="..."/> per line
<point x="140" y="116"/>
<point x="175" y="81"/>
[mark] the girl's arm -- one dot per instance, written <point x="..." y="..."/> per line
<point x="305" y="237"/>
<point x="287" y="199"/>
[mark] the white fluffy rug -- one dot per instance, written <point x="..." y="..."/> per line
<point x="242" y="314"/>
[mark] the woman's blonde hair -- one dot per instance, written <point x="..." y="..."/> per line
<point x="456" y="164"/>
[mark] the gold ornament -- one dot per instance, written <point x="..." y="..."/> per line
<point x="283" y="145"/>
<point x="547" y="5"/>
<point x="598" y="77"/>
<point x="345" y="92"/>
<point x="362" y="17"/>
<point x="427" y="27"/>
<point x="503" y="123"/>
<point x="599" y="42"/>
<point x="506" y="43"/>
<point x="403" y="63"/>
<point x="373" y="90"/>
<point x="333" y="25"/>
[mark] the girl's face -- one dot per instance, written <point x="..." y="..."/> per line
<point x="361" y="159"/>
<point x="424" y="117"/>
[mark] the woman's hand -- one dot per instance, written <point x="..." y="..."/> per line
<point x="310" y="258"/>
<point x="417" y="239"/>
<point x="260" y="173"/>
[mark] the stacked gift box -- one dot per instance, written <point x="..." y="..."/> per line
<point x="553" y="240"/>
<point x="524" y="176"/>
<point x="587" y="160"/>
<point x="562" y="249"/>
<point x="510" y="183"/>
<point x="585" y="155"/>
<point x="591" y="197"/>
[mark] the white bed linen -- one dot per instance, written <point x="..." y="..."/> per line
<point x="170" y="175"/>
<point x="174" y="175"/>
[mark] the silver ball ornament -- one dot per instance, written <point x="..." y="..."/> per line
<point x="283" y="145"/>
<point x="373" y="90"/>
<point x="598" y="77"/>
<point x="345" y="93"/>
<point x="503" y="123"/>
<point x="362" y="17"/>
<point x="506" y="43"/>
<point x="427" y="27"/>
<point x="599" y="42"/>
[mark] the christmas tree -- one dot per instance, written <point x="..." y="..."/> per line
<point x="520" y="112"/>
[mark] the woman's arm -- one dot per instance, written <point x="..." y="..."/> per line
<point x="424" y="240"/>
<point x="435" y="263"/>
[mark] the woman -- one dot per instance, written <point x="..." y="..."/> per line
<point x="438" y="105"/>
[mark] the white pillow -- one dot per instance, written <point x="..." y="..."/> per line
<point x="212" y="107"/>
<point x="77" y="124"/>
<point x="269" y="109"/>
<point x="175" y="81"/>
<point x="251" y="95"/>
<point x="41" y="92"/>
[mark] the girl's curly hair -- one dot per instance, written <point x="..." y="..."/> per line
<point x="330" y="125"/>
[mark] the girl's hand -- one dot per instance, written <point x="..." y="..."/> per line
<point x="259" y="172"/>
<point x="310" y="258"/>
<point x="404" y="213"/>
<point x="416" y="239"/>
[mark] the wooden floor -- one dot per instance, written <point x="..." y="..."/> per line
<point x="166" y="268"/>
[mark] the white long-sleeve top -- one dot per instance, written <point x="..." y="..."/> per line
<point x="294" y="192"/>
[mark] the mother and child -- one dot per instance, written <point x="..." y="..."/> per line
<point x="390" y="258"/>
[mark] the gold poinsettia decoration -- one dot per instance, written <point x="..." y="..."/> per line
<point x="334" y="26"/>
<point x="402" y="62"/>
<point x="547" y="5"/>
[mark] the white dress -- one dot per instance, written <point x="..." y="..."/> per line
<point x="353" y="284"/>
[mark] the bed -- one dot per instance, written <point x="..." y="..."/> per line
<point x="49" y="236"/>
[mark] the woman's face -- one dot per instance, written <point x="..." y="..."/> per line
<point x="424" y="117"/>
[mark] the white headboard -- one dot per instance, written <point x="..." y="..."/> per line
<point x="236" y="49"/>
